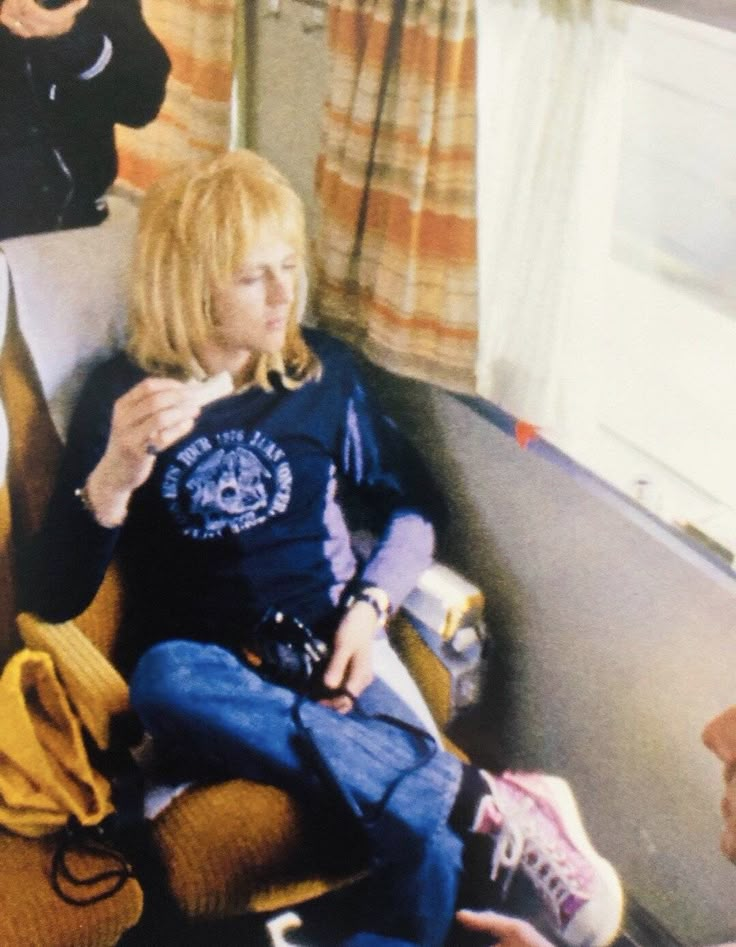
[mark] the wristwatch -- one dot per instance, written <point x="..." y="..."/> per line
<point x="376" y="597"/>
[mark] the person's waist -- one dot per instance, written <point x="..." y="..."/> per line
<point x="229" y="622"/>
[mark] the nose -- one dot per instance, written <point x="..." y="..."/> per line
<point x="280" y="289"/>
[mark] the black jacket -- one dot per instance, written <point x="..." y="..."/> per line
<point x="59" y="101"/>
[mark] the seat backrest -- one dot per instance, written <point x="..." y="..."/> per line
<point x="62" y="303"/>
<point x="8" y="640"/>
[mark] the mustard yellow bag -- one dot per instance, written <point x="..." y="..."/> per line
<point x="45" y="774"/>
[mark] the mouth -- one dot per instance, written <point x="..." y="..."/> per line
<point x="276" y="323"/>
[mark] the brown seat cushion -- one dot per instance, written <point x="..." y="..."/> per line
<point x="33" y="915"/>
<point x="242" y="846"/>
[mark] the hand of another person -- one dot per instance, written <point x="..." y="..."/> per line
<point x="507" y="931"/>
<point x="351" y="663"/>
<point x="146" y="420"/>
<point x="728" y="811"/>
<point x="29" y="20"/>
<point x="720" y="737"/>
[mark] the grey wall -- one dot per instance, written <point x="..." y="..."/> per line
<point x="618" y="650"/>
<point x="618" y="646"/>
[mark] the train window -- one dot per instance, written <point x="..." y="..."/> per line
<point x="658" y="323"/>
<point x="667" y="425"/>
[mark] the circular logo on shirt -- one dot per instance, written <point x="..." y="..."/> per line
<point x="226" y="482"/>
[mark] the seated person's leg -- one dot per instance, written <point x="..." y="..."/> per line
<point x="416" y="803"/>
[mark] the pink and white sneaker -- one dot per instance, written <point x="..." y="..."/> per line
<point x="538" y="830"/>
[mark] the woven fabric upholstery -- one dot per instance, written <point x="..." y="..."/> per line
<point x="433" y="679"/>
<point x="34" y="456"/>
<point x="8" y="636"/>
<point x="8" y="639"/>
<point x="32" y="915"/>
<point x="241" y="846"/>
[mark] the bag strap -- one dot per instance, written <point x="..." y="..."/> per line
<point x="324" y="766"/>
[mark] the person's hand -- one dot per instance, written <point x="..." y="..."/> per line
<point x="351" y="664"/>
<point x="146" y="420"/>
<point x="508" y="931"/>
<point x="720" y="737"/>
<point x="29" y="20"/>
<point x="728" y="811"/>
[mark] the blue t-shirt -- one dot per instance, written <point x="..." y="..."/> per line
<point x="245" y="512"/>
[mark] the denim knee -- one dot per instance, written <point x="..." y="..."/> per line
<point x="166" y="672"/>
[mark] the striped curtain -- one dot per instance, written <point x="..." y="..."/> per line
<point x="396" y="250"/>
<point x="199" y="36"/>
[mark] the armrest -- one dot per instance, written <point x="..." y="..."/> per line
<point x="96" y="689"/>
<point x="441" y="637"/>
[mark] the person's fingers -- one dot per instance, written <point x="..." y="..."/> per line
<point x="14" y="23"/>
<point x="719" y="735"/>
<point x="510" y="931"/>
<point x="342" y="703"/>
<point x="48" y="23"/>
<point x="154" y="393"/>
<point x="487" y="922"/>
<point x="155" y="428"/>
<point x="337" y="666"/>
<point x="360" y="672"/>
<point x="143" y="412"/>
<point x="164" y="437"/>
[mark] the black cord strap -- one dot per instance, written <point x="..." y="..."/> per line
<point x="87" y="841"/>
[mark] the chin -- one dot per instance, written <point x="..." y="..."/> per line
<point x="274" y="342"/>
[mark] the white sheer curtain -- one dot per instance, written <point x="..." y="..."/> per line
<point x="550" y="84"/>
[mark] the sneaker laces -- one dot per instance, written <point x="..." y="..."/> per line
<point x="531" y="839"/>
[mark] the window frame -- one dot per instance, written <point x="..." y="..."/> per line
<point x="720" y="13"/>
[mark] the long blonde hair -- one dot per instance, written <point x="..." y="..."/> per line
<point x="197" y="225"/>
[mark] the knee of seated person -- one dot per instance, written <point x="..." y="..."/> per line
<point x="162" y="672"/>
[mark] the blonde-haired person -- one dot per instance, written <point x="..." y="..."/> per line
<point x="215" y="456"/>
<point x="195" y="232"/>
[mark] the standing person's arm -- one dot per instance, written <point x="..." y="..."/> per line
<point x="97" y="58"/>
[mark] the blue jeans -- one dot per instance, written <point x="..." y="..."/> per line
<point x="399" y="784"/>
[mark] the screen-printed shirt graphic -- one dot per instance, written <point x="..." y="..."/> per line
<point x="227" y="482"/>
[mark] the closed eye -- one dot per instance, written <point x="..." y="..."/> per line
<point x="250" y="279"/>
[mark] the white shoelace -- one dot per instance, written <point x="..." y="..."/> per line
<point x="546" y="863"/>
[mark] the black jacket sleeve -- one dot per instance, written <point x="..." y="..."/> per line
<point x="129" y="89"/>
<point x="61" y="568"/>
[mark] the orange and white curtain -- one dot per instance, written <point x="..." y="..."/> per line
<point x="199" y="36"/>
<point x="396" y="249"/>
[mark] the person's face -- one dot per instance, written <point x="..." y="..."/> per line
<point x="251" y="313"/>
<point x="720" y="737"/>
